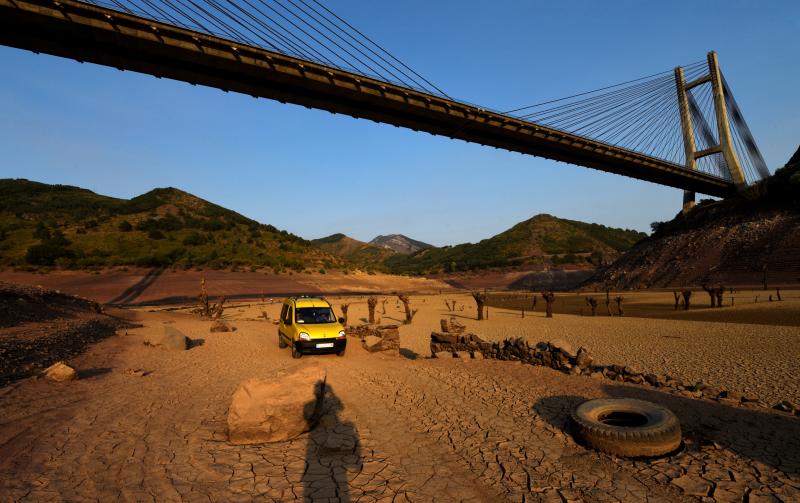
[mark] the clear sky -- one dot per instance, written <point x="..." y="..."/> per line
<point x="314" y="173"/>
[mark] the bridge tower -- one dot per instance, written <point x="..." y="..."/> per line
<point x="724" y="144"/>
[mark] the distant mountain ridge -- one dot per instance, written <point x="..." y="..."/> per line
<point x="353" y="250"/>
<point x="399" y="243"/>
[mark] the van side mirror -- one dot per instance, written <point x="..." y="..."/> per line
<point x="341" y="320"/>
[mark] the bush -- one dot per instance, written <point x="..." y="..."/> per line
<point x="322" y="271"/>
<point x="156" y="234"/>
<point x="41" y="232"/>
<point x="47" y="254"/>
<point x="125" y="226"/>
<point x="194" y="239"/>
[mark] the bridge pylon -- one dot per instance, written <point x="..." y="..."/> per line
<point x="724" y="144"/>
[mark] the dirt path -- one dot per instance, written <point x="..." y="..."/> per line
<point x="394" y="429"/>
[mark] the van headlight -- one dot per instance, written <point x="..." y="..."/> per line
<point x="303" y="336"/>
<point x="342" y="334"/>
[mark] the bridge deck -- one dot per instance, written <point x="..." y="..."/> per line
<point x="90" y="33"/>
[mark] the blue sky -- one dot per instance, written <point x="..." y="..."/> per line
<point x="314" y="174"/>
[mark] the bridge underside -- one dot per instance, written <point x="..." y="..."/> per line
<point x="89" y="33"/>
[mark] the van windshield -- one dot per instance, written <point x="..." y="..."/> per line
<point x="309" y="315"/>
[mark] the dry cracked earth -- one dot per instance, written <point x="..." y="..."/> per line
<point x="402" y="428"/>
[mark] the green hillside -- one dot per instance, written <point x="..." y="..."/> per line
<point x="43" y="226"/>
<point x="543" y="240"/>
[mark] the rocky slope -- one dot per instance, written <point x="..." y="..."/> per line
<point x="354" y="251"/>
<point x="753" y="238"/>
<point x="399" y="244"/>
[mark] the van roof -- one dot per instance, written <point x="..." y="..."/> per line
<point x="310" y="302"/>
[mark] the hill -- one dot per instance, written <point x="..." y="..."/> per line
<point x="399" y="244"/>
<point x="541" y="242"/>
<point x="44" y="226"/>
<point x="751" y="238"/>
<point x="353" y="250"/>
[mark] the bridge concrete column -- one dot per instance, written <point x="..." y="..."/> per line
<point x="723" y="126"/>
<point x="688" y="135"/>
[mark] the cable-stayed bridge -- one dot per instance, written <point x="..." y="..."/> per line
<point x="681" y="128"/>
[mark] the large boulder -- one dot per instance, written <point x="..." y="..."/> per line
<point x="564" y="347"/>
<point x="276" y="409"/>
<point x="171" y="338"/>
<point x="60" y="372"/>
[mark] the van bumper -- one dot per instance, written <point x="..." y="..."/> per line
<point x="311" y="346"/>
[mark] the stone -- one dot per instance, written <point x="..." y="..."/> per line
<point x="692" y="485"/>
<point x="171" y="338"/>
<point x="373" y="344"/>
<point x="462" y="355"/>
<point x="785" y="406"/>
<point x="277" y="409"/>
<point x="477" y="355"/>
<point x="563" y="346"/>
<point x="221" y="326"/>
<point x="597" y="376"/>
<point x="582" y="359"/>
<point x="60" y="372"/>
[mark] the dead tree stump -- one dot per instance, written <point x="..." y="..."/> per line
<point x="345" y="307"/>
<point x="619" y="300"/>
<point x="592" y="302"/>
<point x="205" y="309"/>
<point x="711" y="294"/>
<point x="687" y="295"/>
<point x="480" y="300"/>
<point x="677" y="296"/>
<point x="371" y="303"/>
<point x="549" y="298"/>
<point x="719" y="292"/>
<point x="409" y="312"/>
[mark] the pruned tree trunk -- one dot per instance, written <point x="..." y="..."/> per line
<point x="549" y="298"/>
<point x="371" y="303"/>
<point x="533" y="305"/>
<point x="480" y="300"/>
<point x="619" y="300"/>
<point x="687" y="295"/>
<point x="205" y="309"/>
<point x="216" y="312"/>
<point x="608" y="302"/>
<point x="677" y="296"/>
<point x="383" y="305"/>
<point x="345" y="307"/>
<point x="711" y="294"/>
<point x="409" y="312"/>
<point x="719" y="293"/>
<point x="778" y="293"/>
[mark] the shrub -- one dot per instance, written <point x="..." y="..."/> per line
<point x="194" y="239"/>
<point x="125" y="226"/>
<point x="156" y="234"/>
<point x="47" y="253"/>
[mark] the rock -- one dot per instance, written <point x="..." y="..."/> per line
<point x="785" y="406"/>
<point x="563" y="346"/>
<point x="60" y="372"/>
<point x="477" y="355"/>
<point x="277" y="409"/>
<point x="582" y="359"/>
<point x="136" y="372"/>
<point x="171" y="338"/>
<point x="462" y="355"/>
<point x="221" y="326"/>
<point x="372" y="343"/>
<point x="597" y="376"/>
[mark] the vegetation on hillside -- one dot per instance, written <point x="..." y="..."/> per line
<point x="68" y="227"/>
<point x="543" y="240"/>
<point x="358" y="253"/>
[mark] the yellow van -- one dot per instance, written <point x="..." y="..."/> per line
<point x="308" y="325"/>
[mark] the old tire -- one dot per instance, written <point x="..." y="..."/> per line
<point x="296" y="353"/>
<point x="627" y="427"/>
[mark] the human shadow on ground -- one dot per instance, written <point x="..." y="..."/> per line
<point x="133" y="292"/>
<point x="769" y="437"/>
<point x="333" y="447"/>
<point x="89" y="373"/>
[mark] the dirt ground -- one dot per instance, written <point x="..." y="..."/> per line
<point x="403" y="428"/>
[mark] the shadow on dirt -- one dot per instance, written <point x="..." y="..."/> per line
<point x="333" y="447"/>
<point x="90" y="373"/>
<point x="407" y="353"/>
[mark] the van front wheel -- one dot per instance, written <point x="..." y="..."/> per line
<point x="296" y="353"/>
<point x="281" y="343"/>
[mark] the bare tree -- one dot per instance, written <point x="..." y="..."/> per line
<point x="345" y="307"/>
<point x="608" y="302"/>
<point x="216" y="311"/>
<point x="409" y="312"/>
<point x="371" y="303"/>
<point x="383" y="305"/>
<point x="533" y="303"/>
<point x="719" y="292"/>
<point x="619" y="300"/>
<point x="549" y="298"/>
<point x="687" y="295"/>
<point x="480" y="300"/>
<point x="711" y="294"/>
<point x="778" y="293"/>
<point x="592" y="302"/>
<point x="677" y="296"/>
<point x="205" y="309"/>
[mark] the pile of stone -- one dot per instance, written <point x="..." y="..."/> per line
<point x="560" y="356"/>
<point x="378" y="338"/>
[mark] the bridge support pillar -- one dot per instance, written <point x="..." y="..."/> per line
<point x="688" y="135"/>
<point x="723" y="126"/>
